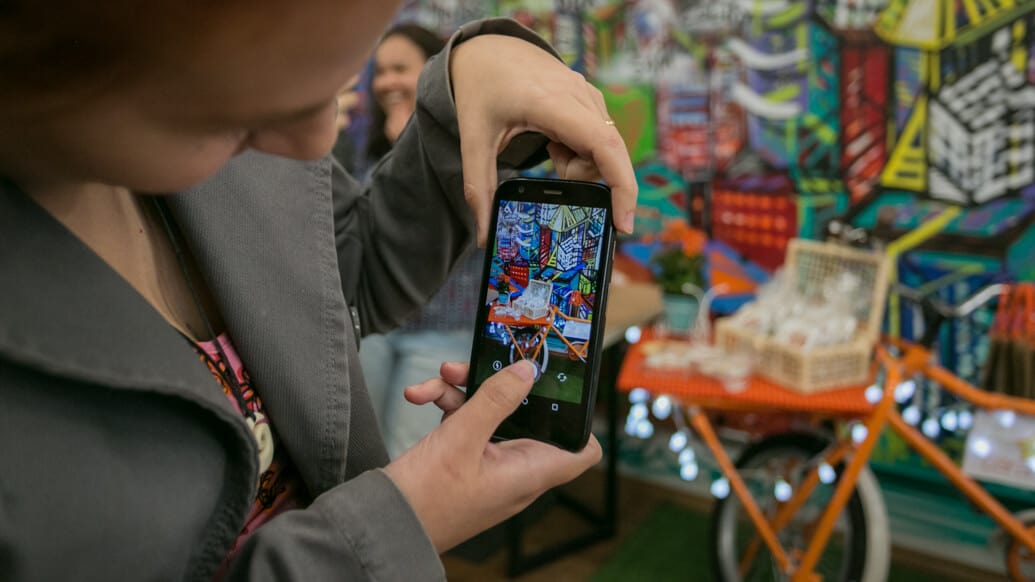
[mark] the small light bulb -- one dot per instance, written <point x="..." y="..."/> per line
<point x="1006" y="418"/>
<point x="782" y="490"/>
<point x="966" y="420"/>
<point x="688" y="472"/>
<point x="874" y="393"/>
<point x="720" y="488"/>
<point x="950" y="421"/>
<point x="827" y="475"/>
<point x="677" y="442"/>
<point x="632" y="334"/>
<point x="859" y="432"/>
<point x="687" y="455"/>
<point x="662" y="407"/>
<point x="638" y="411"/>
<point x="911" y="415"/>
<point x="644" y="429"/>
<point x="981" y="447"/>
<point x="905" y="391"/>
<point x="931" y="428"/>
<point x="638" y="395"/>
<point x="630" y="426"/>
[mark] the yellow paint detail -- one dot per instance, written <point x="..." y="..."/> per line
<point x="901" y="245"/>
<point x="907" y="165"/>
<point x="971" y="9"/>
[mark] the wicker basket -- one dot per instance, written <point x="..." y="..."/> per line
<point x="809" y="263"/>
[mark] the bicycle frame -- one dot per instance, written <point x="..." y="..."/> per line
<point x="545" y="327"/>
<point x="918" y="360"/>
<point x="768" y="530"/>
<point x="914" y="360"/>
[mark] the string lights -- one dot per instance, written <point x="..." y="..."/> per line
<point x="874" y="393"/>
<point x="911" y="414"/>
<point x="662" y="407"/>
<point x="720" y="488"/>
<point x="931" y="428"/>
<point x="1006" y="418"/>
<point x="859" y="432"/>
<point x="677" y="442"/>
<point x="827" y="475"/>
<point x="904" y="391"/>
<point x="633" y="334"/>
<point x="952" y="419"/>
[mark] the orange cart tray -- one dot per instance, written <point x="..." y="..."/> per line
<point x="759" y="395"/>
<point x="520" y="320"/>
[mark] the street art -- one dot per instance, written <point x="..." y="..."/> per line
<point x="762" y="120"/>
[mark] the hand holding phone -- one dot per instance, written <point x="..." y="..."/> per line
<point x="544" y="292"/>
<point x="457" y="481"/>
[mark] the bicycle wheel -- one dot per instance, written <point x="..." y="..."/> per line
<point x="1020" y="561"/>
<point x="858" y="547"/>
<point x="529" y="340"/>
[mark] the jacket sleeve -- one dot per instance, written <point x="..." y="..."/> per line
<point x="398" y="240"/>
<point x="368" y="516"/>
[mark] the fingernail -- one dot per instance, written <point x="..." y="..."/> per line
<point x="524" y="369"/>
<point x="629" y="221"/>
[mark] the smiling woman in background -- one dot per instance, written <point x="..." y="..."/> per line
<point x="398" y="60"/>
<point x="442" y="330"/>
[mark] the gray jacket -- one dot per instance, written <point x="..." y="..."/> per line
<point x="121" y="459"/>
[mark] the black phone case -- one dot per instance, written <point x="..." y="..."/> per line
<point x="571" y="429"/>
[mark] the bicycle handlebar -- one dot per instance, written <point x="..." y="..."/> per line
<point x="935" y="311"/>
<point x="976" y="301"/>
<point x="940" y="311"/>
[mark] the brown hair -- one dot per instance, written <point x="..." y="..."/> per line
<point x="64" y="50"/>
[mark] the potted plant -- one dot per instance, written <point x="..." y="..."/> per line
<point x="680" y="275"/>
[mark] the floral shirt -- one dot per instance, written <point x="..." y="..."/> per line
<point x="280" y="486"/>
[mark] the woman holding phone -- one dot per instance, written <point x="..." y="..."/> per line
<point x="184" y="273"/>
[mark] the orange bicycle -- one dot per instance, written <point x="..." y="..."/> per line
<point x="794" y="494"/>
<point x="803" y="505"/>
<point x="528" y="336"/>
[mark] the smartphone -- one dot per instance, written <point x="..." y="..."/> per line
<point x="543" y="297"/>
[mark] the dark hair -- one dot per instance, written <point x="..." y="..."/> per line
<point x="430" y="44"/>
<point x="57" y="53"/>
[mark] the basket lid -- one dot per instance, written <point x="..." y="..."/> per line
<point x="810" y="264"/>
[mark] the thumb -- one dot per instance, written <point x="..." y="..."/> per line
<point x="478" y="154"/>
<point x="495" y="400"/>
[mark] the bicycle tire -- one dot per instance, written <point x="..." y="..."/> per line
<point x="541" y="362"/>
<point x="862" y="530"/>
<point x="1016" y="553"/>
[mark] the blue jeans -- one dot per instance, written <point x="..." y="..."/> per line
<point x="398" y="359"/>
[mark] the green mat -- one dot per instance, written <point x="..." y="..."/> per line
<point x="672" y="546"/>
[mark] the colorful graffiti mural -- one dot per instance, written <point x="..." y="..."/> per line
<point x="763" y="120"/>
<point x="772" y="117"/>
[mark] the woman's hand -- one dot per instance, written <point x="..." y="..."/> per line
<point x="504" y="86"/>
<point x="457" y="481"/>
<point x="442" y="391"/>
<point x="345" y="101"/>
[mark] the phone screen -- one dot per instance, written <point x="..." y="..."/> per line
<point x="546" y="265"/>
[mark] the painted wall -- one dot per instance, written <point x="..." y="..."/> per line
<point x="764" y="119"/>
